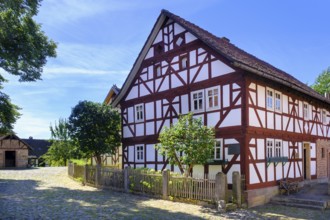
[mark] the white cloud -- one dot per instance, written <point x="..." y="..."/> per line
<point x="80" y="71"/>
<point x="54" y="12"/>
<point x="35" y="125"/>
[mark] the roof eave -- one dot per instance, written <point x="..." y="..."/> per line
<point x="140" y="58"/>
<point x="279" y="80"/>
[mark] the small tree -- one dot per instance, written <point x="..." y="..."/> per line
<point x="322" y="82"/>
<point x="96" y="129"/>
<point x="62" y="148"/>
<point x="186" y="143"/>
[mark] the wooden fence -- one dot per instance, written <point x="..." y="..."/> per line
<point x="112" y="178"/>
<point x="163" y="184"/>
<point x="90" y="175"/>
<point x="192" y="188"/>
<point x="145" y="182"/>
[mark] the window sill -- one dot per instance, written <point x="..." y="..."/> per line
<point x="277" y="160"/>
<point x="212" y="109"/>
<point x="216" y="162"/>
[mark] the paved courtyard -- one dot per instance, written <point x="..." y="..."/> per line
<point x="48" y="193"/>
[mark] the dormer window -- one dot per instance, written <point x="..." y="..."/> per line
<point x="159" y="48"/>
<point x="183" y="62"/>
<point x="158" y="70"/>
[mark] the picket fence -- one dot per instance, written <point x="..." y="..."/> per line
<point x="165" y="184"/>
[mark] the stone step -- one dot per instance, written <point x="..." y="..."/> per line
<point x="300" y="201"/>
<point x="299" y="205"/>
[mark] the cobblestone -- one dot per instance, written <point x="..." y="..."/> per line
<point x="48" y="193"/>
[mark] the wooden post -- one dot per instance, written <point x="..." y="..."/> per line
<point x="237" y="189"/>
<point x="98" y="175"/>
<point x="220" y="191"/>
<point x="85" y="174"/>
<point x="166" y="179"/>
<point x="74" y="170"/>
<point x="126" y="179"/>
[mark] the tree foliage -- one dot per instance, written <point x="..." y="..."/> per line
<point x="322" y="82"/>
<point x="24" y="49"/>
<point x="8" y="114"/>
<point x="62" y="148"/>
<point x="187" y="143"/>
<point x="96" y="129"/>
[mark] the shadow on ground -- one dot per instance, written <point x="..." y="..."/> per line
<point x="28" y="199"/>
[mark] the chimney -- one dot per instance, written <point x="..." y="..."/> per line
<point x="225" y="39"/>
<point x="327" y="95"/>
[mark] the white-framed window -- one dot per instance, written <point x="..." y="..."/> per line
<point x="306" y="110"/>
<point x="212" y="97"/>
<point x="278" y="148"/>
<point x="139" y="152"/>
<point x="324" y="116"/>
<point x="270" y="99"/>
<point x="197" y="101"/>
<point x="139" y="112"/>
<point x="218" y="149"/>
<point x="269" y="148"/>
<point x="278" y="102"/>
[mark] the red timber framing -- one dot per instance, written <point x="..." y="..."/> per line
<point x="268" y="122"/>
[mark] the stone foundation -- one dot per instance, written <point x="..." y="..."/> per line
<point x="261" y="196"/>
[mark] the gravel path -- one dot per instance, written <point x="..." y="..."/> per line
<point x="48" y="193"/>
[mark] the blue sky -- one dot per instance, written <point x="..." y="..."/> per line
<point x="99" y="40"/>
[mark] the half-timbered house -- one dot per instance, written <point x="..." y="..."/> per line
<point x="268" y="124"/>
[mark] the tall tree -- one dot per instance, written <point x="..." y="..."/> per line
<point x="186" y="143"/>
<point x="24" y="49"/>
<point x="322" y="82"/>
<point x="96" y="129"/>
<point x="62" y="148"/>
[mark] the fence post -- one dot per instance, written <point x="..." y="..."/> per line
<point x="220" y="191"/>
<point x="126" y="179"/>
<point x="85" y="174"/>
<point x="74" y="170"/>
<point x="237" y="189"/>
<point x="97" y="175"/>
<point x="166" y="179"/>
<point x="69" y="168"/>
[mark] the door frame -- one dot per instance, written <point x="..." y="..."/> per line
<point x="306" y="151"/>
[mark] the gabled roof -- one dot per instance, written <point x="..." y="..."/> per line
<point x="238" y="58"/>
<point x="39" y="147"/>
<point x="112" y="92"/>
<point x="14" y="137"/>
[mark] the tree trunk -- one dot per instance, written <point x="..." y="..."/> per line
<point x="98" y="160"/>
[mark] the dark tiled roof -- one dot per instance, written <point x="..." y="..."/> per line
<point x="39" y="147"/>
<point x="244" y="60"/>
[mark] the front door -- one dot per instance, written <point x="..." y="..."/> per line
<point x="307" y="161"/>
<point x="10" y="159"/>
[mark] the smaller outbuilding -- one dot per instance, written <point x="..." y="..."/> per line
<point x="14" y="151"/>
<point x="38" y="147"/>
